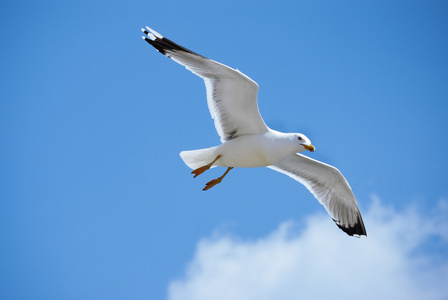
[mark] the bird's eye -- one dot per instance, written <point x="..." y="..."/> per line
<point x="300" y="138"/>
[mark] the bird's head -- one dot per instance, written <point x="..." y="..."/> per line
<point x="304" y="143"/>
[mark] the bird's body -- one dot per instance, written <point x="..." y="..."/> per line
<point x="248" y="151"/>
<point x="247" y="141"/>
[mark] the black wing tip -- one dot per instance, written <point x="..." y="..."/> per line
<point x="357" y="229"/>
<point x="156" y="42"/>
<point x="162" y="44"/>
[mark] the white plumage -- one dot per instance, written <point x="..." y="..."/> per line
<point x="248" y="142"/>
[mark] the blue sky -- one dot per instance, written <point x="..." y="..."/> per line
<point x="96" y="202"/>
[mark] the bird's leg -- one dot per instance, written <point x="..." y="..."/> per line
<point x="202" y="169"/>
<point x="214" y="182"/>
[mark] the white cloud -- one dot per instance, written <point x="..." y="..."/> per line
<point x="320" y="262"/>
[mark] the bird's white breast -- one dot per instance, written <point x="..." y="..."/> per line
<point x="255" y="150"/>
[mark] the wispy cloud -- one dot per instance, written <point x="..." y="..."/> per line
<point x="401" y="258"/>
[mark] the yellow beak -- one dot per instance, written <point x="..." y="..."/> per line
<point x="309" y="147"/>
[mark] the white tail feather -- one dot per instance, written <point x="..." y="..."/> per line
<point x="198" y="158"/>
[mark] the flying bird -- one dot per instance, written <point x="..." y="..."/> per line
<point x="247" y="142"/>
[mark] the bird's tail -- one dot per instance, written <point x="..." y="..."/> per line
<point x="198" y="158"/>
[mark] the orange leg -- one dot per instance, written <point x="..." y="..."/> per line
<point x="202" y="169"/>
<point x="214" y="182"/>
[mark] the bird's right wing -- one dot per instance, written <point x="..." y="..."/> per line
<point x="231" y="95"/>
<point x="328" y="185"/>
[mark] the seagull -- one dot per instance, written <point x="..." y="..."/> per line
<point x="247" y="142"/>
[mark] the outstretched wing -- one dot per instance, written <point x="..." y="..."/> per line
<point x="231" y="95"/>
<point x="328" y="185"/>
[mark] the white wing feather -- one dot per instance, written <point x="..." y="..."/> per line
<point x="329" y="187"/>
<point x="231" y="95"/>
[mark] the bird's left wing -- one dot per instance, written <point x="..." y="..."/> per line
<point x="328" y="185"/>
<point x="231" y="95"/>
